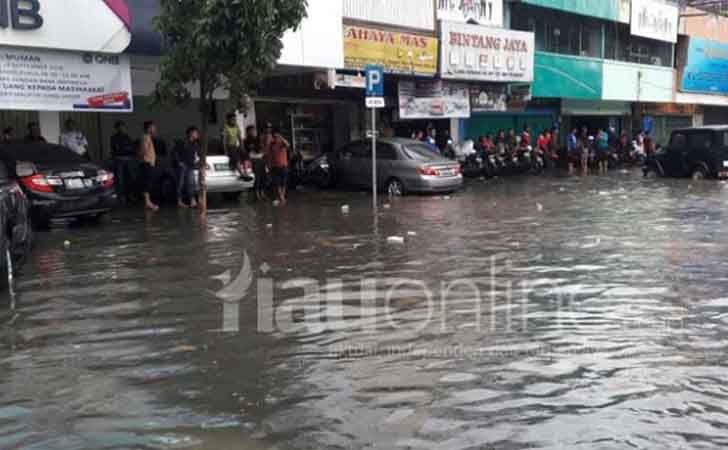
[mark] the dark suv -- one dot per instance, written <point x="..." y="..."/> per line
<point x="693" y="152"/>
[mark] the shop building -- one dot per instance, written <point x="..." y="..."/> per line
<point x="497" y="67"/>
<point x="606" y="62"/>
<point x="63" y="60"/>
<point x="702" y="64"/>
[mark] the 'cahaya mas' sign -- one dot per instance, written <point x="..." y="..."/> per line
<point x="84" y="25"/>
<point x="400" y="53"/>
<point x="49" y="80"/>
<point x="471" y="52"/>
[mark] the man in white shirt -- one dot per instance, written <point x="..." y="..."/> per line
<point x="74" y="139"/>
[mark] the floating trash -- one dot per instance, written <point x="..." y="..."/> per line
<point x="395" y="240"/>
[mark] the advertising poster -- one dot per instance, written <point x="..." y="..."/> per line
<point x="399" y="53"/>
<point x="491" y="98"/>
<point x="471" y="52"/>
<point x="707" y="67"/>
<point x="433" y="100"/>
<point x="48" y="80"/>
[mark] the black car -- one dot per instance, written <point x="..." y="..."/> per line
<point x="17" y="236"/>
<point x="693" y="152"/>
<point x="58" y="182"/>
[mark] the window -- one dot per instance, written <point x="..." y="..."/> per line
<point x="677" y="140"/>
<point x="419" y="152"/>
<point x="386" y="152"/>
<point x="700" y="140"/>
<point x="360" y="150"/>
<point x="559" y="32"/>
<point x="3" y="173"/>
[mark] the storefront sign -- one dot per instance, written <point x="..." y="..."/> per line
<point x="655" y="20"/>
<point x="350" y="81"/>
<point x="472" y="52"/>
<point x="489" y="98"/>
<point x="47" y="80"/>
<point x="84" y="25"/>
<point x="707" y="67"/>
<point x="399" y="53"/>
<point x="433" y="100"/>
<point x="483" y="12"/>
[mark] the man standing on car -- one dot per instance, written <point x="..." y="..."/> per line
<point x="277" y="160"/>
<point x="122" y="151"/>
<point x="148" y="157"/>
<point x="232" y="141"/>
<point x="187" y="159"/>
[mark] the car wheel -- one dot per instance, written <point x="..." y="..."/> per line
<point x="395" y="188"/>
<point x="41" y="223"/>
<point x="699" y="174"/>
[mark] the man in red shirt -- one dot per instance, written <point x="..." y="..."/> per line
<point x="277" y="160"/>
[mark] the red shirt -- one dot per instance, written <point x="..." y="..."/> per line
<point x="278" y="155"/>
<point x="526" y="138"/>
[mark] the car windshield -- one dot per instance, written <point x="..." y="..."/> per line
<point x="420" y="152"/>
<point x="40" y="153"/>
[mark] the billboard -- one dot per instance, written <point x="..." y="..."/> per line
<point x="654" y="20"/>
<point x="433" y="100"/>
<point x="52" y="80"/>
<point x="80" y="25"/>
<point x="482" y="12"/>
<point x="706" y="70"/>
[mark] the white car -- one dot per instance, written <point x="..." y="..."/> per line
<point x="222" y="179"/>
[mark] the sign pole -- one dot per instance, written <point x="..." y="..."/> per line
<point x="374" y="156"/>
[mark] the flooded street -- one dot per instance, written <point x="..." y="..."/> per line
<point x="545" y="313"/>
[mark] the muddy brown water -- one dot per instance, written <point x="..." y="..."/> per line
<point x="546" y="313"/>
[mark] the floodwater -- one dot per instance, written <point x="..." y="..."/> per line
<point x="549" y="313"/>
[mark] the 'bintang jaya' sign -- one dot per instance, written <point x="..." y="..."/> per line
<point x="400" y="53"/>
<point x="486" y="54"/>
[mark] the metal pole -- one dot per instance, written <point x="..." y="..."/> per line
<point x="374" y="156"/>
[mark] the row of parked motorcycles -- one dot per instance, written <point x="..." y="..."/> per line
<point x="479" y="163"/>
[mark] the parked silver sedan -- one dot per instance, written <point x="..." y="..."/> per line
<point x="222" y="179"/>
<point x="403" y="166"/>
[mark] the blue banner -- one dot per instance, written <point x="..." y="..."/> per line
<point x="707" y="67"/>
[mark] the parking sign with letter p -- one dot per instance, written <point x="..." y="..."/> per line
<point x="375" y="81"/>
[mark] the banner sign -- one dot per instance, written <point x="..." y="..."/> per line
<point x="433" y="100"/>
<point x="707" y="67"/>
<point x="471" y="52"/>
<point x="655" y="20"/>
<point x="84" y="25"/>
<point x="400" y="53"/>
<point x="482" y="12"/>
<point x="49" y="80"/>
<point x="490" y="98"/>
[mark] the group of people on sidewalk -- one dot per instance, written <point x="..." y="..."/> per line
<point x="266" y="156"/>
<point x="585" y="148"/>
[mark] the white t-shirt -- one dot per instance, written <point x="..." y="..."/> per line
<point x="76" y="141"/>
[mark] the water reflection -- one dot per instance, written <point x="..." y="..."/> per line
<point x="602" y="324"/>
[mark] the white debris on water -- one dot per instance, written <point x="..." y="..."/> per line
<point x="387" y="206"/>
<point x="395" y="240"/>
<point x="539" y="206"/>
<point x="411" y="233"/>
<point x="345" y="209"/>
<point x="67" y="244"/>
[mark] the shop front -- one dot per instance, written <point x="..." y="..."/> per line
<point x="496" y="67"/>
<point x="62" y="60"/>
<point x="410" y="62"/>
